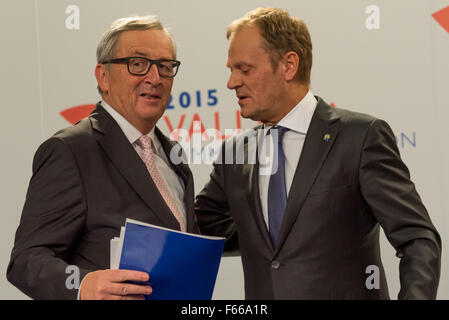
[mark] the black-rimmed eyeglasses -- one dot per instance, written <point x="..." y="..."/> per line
<point x="140" y="66"/>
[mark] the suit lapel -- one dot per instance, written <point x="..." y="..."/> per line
<point x="250" y="173"/>
<point x="314" y="152"/>
<point x="130" y="165"/>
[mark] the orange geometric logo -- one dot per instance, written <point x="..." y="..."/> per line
<point x="75" y="114"/>
<point x="442" y="17"/>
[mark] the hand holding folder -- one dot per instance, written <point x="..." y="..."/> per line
<point x="181" y="265"/>
<point x="113" y="285"/>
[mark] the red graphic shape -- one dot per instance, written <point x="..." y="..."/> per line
<point x="442" y="17"/>
<point x="75" y="114"/>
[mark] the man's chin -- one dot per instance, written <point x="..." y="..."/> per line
<point x="150" y="114"/>
<point x="246" y="114"/>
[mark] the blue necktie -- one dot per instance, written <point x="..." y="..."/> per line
<point x="277" y="191"/>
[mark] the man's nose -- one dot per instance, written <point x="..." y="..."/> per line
<point x="153" y="75"/>
<point x="234" y="81"/>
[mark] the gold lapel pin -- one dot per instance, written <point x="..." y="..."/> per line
<point x="326" y="137"/>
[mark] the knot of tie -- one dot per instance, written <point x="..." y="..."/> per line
<point x="145" y="142"/>
<point x="279" y="131"/>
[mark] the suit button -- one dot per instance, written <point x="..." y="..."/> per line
<point x="275" y="264"/>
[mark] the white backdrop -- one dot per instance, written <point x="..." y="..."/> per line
<point x="385" y="58"/>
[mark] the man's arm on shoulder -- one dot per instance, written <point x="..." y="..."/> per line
<point x="387" y="188"/>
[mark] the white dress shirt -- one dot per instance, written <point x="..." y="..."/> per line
<point x="174" y="182"/>
<point x="298" y="121"/>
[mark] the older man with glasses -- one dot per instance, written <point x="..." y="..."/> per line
<point x="115" y="164"/>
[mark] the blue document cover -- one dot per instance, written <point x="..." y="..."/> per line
<point x="182" y="266"/>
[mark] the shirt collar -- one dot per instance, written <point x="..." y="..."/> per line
<point x="298" y="119"/>
<point x="131" y="133"/>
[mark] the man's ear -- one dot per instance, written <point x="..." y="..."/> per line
<point x="291" y="65"/>
<point x="102" y="76"/>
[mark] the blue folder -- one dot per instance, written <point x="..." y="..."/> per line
<point x="181" y="266"/>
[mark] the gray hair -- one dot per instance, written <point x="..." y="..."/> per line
<point x="106" y="46"/>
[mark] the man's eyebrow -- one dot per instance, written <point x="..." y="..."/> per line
<point x="139" y="53"/>
<point x="240" y="65"/>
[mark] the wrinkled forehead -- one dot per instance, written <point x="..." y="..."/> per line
<point x="153" y="43"/>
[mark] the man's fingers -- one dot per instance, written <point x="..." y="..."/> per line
<point x="110" y="284"/>
<point x="127" y="275"/>
<point x="131" y="297"/>
<point x="124" y="289"/>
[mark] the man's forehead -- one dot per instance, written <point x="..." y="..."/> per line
<point x="144" y="37"/>
<point x="145" y="42"/>
<point x="243" y="47"/>
<point x="246" y="34"/>
<point x="246" y="39"/>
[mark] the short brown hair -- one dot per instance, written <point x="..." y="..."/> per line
<point x="282" y="33"/>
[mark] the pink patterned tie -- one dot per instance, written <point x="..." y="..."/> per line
<point x="145" y="143"/>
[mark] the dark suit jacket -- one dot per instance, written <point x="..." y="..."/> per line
<point x="342" y="191"/>
<point x="87" y="179"/>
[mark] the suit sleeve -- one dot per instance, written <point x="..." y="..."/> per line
<point x="387" y="188"/>
<point x="52" y="222"/>
<point x="213" y="212"/>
